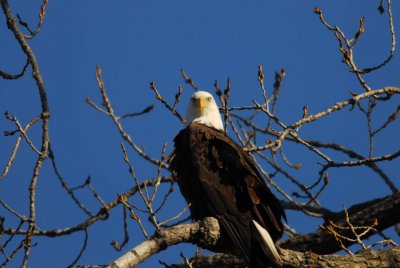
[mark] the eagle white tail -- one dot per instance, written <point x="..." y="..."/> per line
<point x="269" y="246"/>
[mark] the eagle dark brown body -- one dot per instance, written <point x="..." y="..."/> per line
<point x="218" y="179"/>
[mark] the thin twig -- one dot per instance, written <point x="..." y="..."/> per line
<point x="114" y="243"/>
<point x="110" y="112"/>
<point x="163" y="101"/>
<point x="146" y="199"/>
<point x="124" y="200"/>
<point x="175" y="217"/>
<point x="164" y="149"/>
<point x="15" y="76"/>
<point x="12" y="211"/>
<point x="14" y="119"/>
<point x="189" y="80"/>
<point x="42" y="14"/>
<point x="177" y="97"/>
<point x="102" y="214"/>
<point x="16" y="146"/>
<point x="390" y="119"/>
<point x="85" y="243"/>
<point x="96" y="195"/>
<point x="393" y="43"/>
<point x="65" y="186"/>
<point x="144" y="111"/>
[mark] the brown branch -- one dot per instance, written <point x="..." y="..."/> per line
<point x="163" y="101"/>
<point x="42" y="14"/>
<point x="353" y="154"/>
<point x="145" y="111"/>
<point x="261" y="81"/>
<point x="102" y="214"/>
<point x="85" y="242"/>
<point x="189" y="80"/>
<point x="110" y="112"/>
<point x="15" y="76"/>
<point x="205" y="233"/>
<point x="64" y="185"/>
<point x="275" y="94"/>
<point x="162" y="159"/>
<point x="13" y="26"/>
<point x="12" y="211"/>
<point x="132" y="214"/>
<point x="295" y="259"/>
<point x="345" y="46"/>
<point x="301" y="186"/>
<point x="337" y="106"/>
<point x="388" y="157"/>
<point x="119" y="246"/>
<point x="14" y="119"/>
<point x="386" y="211"/>
<point x="318" y="144"/>
<point x="288" y="130"/>
<point x="95" y="194"/>
<point x="355" y="237"/>
<point x="145" y="198"/>
<point x="13" y="253"/>
<point x="177" y="96"/>
<point x="16" y="146"/>
<point x="224" y="98"/>
<point x="342" y="104"/>
<point x="390" y="119"/>
<point x="393" y="44"/>
<point x="315" y="211"/>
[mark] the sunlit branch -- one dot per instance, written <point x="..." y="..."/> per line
<point x="163" y="101"/>
<point x="393" y="43"/>
<point x="16" y="146"/>
<point x="13" y="26"/>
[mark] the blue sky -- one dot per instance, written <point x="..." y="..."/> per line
<point x="136" y="42"/>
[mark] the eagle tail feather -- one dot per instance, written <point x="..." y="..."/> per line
<point x="268" y="244"/>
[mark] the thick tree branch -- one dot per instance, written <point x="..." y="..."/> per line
<point x="385" y="211"/>
<point x="295" y="259"/>
<point x="203" y="233"/>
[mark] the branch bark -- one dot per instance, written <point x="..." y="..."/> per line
<point x="13" y="26"/>
<point x="386" y="211"/>
<point x="295" y="259"/>
<point x="205" y="233"/>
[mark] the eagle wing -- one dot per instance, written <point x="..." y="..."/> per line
<point x="251" y="190"/>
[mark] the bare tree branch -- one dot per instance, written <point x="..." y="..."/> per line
<point x="386" y="211"/>
<point x="13" y="26"/>
<point x="295" y="259"/>
<point x="204" y="233"/>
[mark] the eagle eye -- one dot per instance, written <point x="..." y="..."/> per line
<point x="208" y="98"/>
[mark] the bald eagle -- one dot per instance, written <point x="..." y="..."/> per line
<point x="218" y="179"/>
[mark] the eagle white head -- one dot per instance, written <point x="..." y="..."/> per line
<point x="203" y="109"/>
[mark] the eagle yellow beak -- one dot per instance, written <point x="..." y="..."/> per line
<point x="201" y="104"/>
